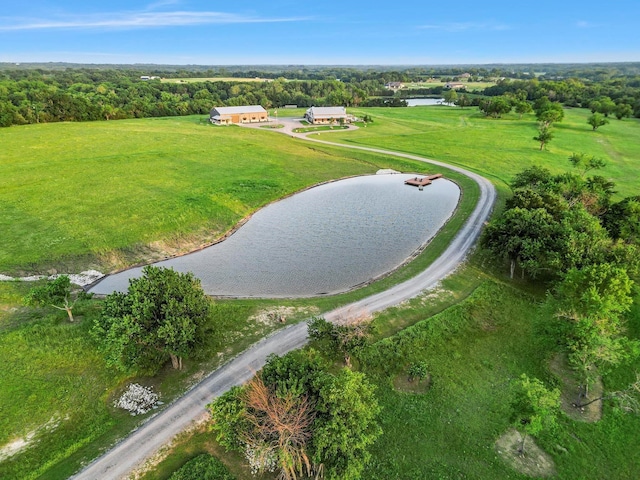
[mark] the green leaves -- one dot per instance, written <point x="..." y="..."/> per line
<point x="534" y="407"/>
<point x="418" y="370"/>
<point x="601" y="290"/>
<point x="346" y="425"/>
<point x="593" y="300"/>
<point x="53" y="292"/>
<point x="597" y="120"/>
<point x="161" y="316"/>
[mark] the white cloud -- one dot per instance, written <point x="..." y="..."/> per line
<point x="137" y="20"/>
<point x="465" y="26"/>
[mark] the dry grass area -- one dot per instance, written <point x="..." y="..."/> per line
<point x="534" y="462"/>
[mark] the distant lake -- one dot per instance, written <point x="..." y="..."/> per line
<point x="414" y="102"/>
<point x="328" y="239"/>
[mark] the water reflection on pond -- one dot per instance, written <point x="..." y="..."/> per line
<point x="328" y="239"/>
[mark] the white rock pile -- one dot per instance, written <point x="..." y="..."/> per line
<point x="137" y="399"/>
<point x="261" y="459"/>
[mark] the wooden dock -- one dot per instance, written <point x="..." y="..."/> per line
<point x="422" y="182"/>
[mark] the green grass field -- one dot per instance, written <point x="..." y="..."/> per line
<point x="499" y="148"/>
<point x="68" y="355"/>
<point x="107" y="194"/>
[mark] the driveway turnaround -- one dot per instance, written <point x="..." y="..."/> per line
<point x="134" y="450"/>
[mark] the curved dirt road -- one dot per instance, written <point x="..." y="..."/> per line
<point x="135" y="449"/>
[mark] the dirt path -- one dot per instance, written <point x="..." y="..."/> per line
<point x="141" y="444"/>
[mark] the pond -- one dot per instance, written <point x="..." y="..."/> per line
<point x="415" y="102"/>
<point x="325" y="240"/>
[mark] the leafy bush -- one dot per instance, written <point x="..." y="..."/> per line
<point x="418" y="370"/>
<point x="202" y="467"/>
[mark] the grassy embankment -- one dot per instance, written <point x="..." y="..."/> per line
<point x="22" y="331"/>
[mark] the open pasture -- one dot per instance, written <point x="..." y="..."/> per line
<point x="499" y="148"/>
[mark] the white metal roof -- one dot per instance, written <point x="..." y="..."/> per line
<point x="241" y="109"/>
<point x="328" y="111"/>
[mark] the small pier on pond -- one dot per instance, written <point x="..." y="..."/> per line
<point x="421" y="182"/>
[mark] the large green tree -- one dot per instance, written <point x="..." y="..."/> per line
<point x="623" y="110"/>
<point x="522" y="107"/>
<point x="545" y="135"/>
<point x="346" y="425"/>
<point x="450" y="96"/>
<point x="495" y="106"/>
<point x="552" y="224"/>
<point x="162" y="316"/>
<point x="622" y="220"/>
<point x="346" y="338"/>
<point x="548" y="112"/>
<point x="526" y="237"/>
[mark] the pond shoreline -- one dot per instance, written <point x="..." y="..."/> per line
<point x="279" y="272"/>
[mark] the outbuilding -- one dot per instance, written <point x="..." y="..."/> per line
<point x="242" y="114"/>
<point x="327" y="115"/>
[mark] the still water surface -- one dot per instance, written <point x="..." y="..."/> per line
<point x="415" y="102"/>
<point x="328" y="239"/>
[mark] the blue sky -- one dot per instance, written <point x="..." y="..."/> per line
<point x="345" y="32"/>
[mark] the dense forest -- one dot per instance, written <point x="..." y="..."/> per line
<point x="33" y="94"/>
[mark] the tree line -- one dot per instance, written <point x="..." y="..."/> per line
<point x="88" y="94"/>
<point x="35" y="97"/>
<point x="618" y="96"/>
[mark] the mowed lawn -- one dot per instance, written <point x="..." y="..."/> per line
<point x="74" y="195"/>
<point x="499" y="148"/>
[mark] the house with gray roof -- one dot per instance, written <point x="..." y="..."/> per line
<point x="327" y="115"/>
